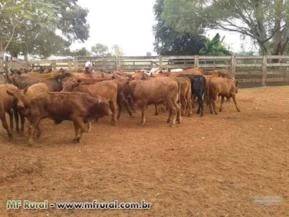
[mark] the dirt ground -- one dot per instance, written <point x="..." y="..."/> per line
<point x="215" y="166"/>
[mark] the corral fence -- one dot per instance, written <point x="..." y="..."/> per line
<point x="249" y="70"/>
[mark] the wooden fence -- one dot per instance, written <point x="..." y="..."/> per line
<point x="249" y="70"/>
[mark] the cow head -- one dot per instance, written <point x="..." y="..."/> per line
<point x="69" y="83"/>
<point x="21" y="101"/>
<point x="102" y="107"/>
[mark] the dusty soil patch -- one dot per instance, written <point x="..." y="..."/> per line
<point x="210" y="166"/>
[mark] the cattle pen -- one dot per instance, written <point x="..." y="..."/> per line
<point x="230" y="164"/>
<point x="251" y="71"/>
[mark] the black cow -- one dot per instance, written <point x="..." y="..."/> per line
<point x="198" y="87"/>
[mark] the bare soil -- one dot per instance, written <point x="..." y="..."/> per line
<point x="215" y="166"/>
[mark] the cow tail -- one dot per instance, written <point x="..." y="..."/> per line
<point x="179" y="93"/>
<point x="205" y="88"/>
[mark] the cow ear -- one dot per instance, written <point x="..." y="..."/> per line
<point x="10" y="93"/>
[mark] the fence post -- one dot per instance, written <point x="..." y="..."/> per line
<point x="160" y="62"/>
<point x="233" y="65"/>
<point x="53" y="64"/>
<point x="264" y="71"/>
<point x="196" y="61"/>
<point x="115" y="63"/>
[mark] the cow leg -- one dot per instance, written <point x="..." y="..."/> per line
<point x="222" y="101"/>
<point x="210" y="103"/>
<point x="128" y="109"/>
<point x="38" y="132"/>
<point x="34" y="130"/>
<point x="16" y="117"/>
<point x="11" y="120"/>
<point x="156" y="110"/>
<point x="178" y="113"/>
<point x="143" y="118"/>
<point x="170" y="115"/>
<point x="234" y="100"/>
<point x="76" y="138"/>
<point x="125" y="103"/>
<point x="80" y="128"/>
<point x="113" y="106"/>
<point x="22" y="121"/>
<point x="200" y="106"/>
<point x="5" y="125"/>
<point x="187" y="108"/>
<point x="173" y="107"/>
<point x="184" y="105"/>
<point x="119" y="111"/>
<point x="88" y="126"/>
<point x="214" y="106"/>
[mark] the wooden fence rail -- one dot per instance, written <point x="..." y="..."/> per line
<point x="249" y="69"/>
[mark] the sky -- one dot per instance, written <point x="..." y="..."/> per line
<point x="129" y="24"/>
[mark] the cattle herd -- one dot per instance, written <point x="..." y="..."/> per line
<point x="83" y="97"/>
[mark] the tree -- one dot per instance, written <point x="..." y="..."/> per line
<point x="265" y="21"/>
<point x="168" y="41"/>
<point x="41" y="27"/>
<point x="16" y="16"/>
<point x="100" y="50"/>
<point x="215" y="47"/>
<point x="116" y="51"/>
<point x="82" y="52"/>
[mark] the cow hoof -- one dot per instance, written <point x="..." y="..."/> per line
<point x="76" y="140"/>
<point x="31" y="142"/>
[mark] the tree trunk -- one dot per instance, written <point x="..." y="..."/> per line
<point x="263" y="48"/>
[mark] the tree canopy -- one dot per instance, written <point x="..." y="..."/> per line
<point x="41" y="27"/>
<point x="214" y="47"/>
<point x="265" y="21"/>
<point x="170" y="41"/>
<point x="100" y="50"/>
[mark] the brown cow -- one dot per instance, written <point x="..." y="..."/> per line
<point x="224" y="87"/>
<point x="155" y="91"/>
<point x="53" y="81"/>
<point x="7" y="105"/>
<point x="31" y="92"/>
<point x="122" y="100"/>
<point x="193" y="71"/>
<point x="185" y="91"/>
<point x="80" y="108"/>
<point x="105" y="89"/>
